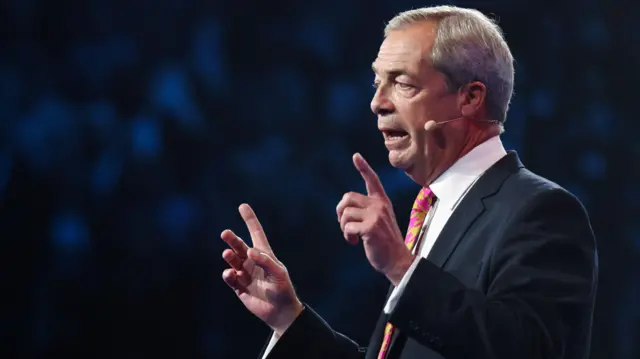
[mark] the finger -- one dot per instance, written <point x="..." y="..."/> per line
<point x="258" y="237"/>
<point x="235" y="243"/>
<point x="351" y="238"/>
<point x="232" y="259"/>
<point x="351" y="214"/>
<point x="351" y="199"/>
<point x="230" y="277"/>
<point x="353" y="231"/>
<point x="243" y="277"/>
<point x="267" y="263"/>
<point x="238" y="280"/>
<point x="374" y="186"/>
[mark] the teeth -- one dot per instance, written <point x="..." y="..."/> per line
<point x="395" y="137"/>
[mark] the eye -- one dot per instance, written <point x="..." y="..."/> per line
<point x="376" y="84"/>
<point x="404" y="86"/>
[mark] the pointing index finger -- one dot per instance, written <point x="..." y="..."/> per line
<point x="374" y="186"/>
<point x="258" y="237"/>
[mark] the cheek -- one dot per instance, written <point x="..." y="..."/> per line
<point x="420" y="111"/>
<point x="412" y="117"/>
<point x="415" y="121"/>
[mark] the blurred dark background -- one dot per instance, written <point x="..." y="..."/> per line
<point x="132" y="130"/>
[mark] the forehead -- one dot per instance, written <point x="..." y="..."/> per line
<point x="406" y="50"/>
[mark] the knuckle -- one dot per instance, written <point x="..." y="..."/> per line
<point x="348" y="228"/>
<point x="348" y="212"/>
<point x="347" y="197"/>
<point x="343" y="202"/>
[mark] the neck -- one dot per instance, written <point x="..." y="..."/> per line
<point x="474" y="139"/>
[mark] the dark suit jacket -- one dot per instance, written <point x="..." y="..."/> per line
<point x="512" y="276"/>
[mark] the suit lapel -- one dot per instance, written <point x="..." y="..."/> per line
<point x="461" y="219"/>
<point x="471" y="207"/>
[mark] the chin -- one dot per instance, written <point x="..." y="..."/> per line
<point x="408" y="164"/>
<point x="399" y="161"/>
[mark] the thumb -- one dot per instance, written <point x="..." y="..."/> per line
<point x="267" y="263"/>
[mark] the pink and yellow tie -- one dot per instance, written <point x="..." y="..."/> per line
<point x="418" y="213"/>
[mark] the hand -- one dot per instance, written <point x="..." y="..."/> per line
<point x="260" y="281"/>
<point x="371" y="218"/>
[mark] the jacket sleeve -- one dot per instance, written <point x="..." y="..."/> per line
<point x="310" y="337"/>
<point x="540" y="297"/>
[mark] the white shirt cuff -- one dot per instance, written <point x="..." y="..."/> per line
<point x="397" y="291"/>
<point x="272" y="343"/>
<point x="274" y="339"/>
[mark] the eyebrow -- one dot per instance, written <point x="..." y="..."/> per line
<point x="394" y="72"/>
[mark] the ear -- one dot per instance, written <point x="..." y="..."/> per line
<point x="471" y="99"/>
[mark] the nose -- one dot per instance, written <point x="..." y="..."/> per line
<point x="380" y="103"/>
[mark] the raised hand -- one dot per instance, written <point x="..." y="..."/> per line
<point x="260" y="281"/>
<point x="371" y="218"/>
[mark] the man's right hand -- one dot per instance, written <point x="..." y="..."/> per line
<point x="260" y="281"/>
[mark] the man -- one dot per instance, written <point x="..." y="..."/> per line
<point x="497" y="262"/>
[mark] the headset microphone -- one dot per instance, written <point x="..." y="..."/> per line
<point x="432" y="125"/>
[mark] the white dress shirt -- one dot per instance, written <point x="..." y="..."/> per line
<point x="449" y="189"/>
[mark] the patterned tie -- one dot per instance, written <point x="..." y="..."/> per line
<point x="418" y="213"/>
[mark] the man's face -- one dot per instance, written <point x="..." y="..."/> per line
<point x="410" y="92"/>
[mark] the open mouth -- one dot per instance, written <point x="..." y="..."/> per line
<point x="394" y="135"/>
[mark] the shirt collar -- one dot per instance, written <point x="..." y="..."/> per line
<point x="452" y="184"/>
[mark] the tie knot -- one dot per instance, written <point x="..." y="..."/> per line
<point x="424" y="200"/>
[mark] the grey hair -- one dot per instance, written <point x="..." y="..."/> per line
<point x="468" y="47"/>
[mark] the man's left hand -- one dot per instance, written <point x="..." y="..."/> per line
<point x="371" y="218"/>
